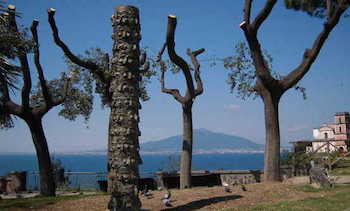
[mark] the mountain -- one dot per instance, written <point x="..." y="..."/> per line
<point x="204" y="141"/>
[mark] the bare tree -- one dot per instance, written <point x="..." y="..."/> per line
<point x="271" y="88"/>
<point x="187" y="100"/>
<point x="121" y="85"/>
<point x="31" y="110"/>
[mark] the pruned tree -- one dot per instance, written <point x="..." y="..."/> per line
<point x="120" y="84"/>
<point x="269" y="86"/>
<point x="187" y="100"/>
<point x="35" y="103"/>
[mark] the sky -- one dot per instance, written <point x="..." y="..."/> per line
<point x="213" y="25"/>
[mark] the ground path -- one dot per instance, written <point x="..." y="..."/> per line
<point x="199" y="198"/>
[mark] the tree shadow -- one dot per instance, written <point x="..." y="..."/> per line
<point x="194" y="205"/>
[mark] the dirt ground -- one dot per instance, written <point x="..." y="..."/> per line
<point x="199" y="198"/>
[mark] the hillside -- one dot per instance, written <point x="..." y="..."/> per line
<point x="205" y="141"/>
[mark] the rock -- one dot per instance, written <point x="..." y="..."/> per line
<point x="320" y="177"/>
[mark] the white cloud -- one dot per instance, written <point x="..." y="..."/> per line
<point x="233" y="107"/>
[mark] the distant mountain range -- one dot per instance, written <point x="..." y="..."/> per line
<point x="204" y="141"/>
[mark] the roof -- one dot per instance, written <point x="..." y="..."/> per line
<point x="342" y="113"/>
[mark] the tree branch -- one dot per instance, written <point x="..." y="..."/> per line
<point x="310" y="54"/>
<point x="145" y="68"/>
<point x="264" y="13"/>
<point x="12" y="107"/>
<point x="4" y="88"/>
<point x="27" y="83"/>
<point x="170" y="40"/>
<point x="193" y="55"/>
<point x="44" y="88"/>
<point x="160" y="53"/>
<point x="86" y="64"/>
<point x="246" y="11"/>
<point x="174" y="92"/>
<point x="42" y="110"/>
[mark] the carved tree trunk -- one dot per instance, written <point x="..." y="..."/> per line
<point x="186" y="155"/>
<point x="123" y="146"/>
<point x="47" y="182"/>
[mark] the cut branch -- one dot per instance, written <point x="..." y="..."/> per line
<point x="44" y="88"/>
<point x="75" y="59"/>
<point x="310" y="54"/>
<point x="145" y="67"/>
<point x="170" y="38"/>
<point x="27" y="83"/>
<point x="193" y="55"/>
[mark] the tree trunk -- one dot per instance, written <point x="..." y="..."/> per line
<point x="123" y="148"/>
<point x="47" y="182"/>
<point x="272" y="147"/>
<point x="186" y="156"/>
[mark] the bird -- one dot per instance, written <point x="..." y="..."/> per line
<point x="226" y="187"/>
<point x="166" y="202"/>
<point x="243" y="188"/>
<point x="147" y="193"/>
<point x="166" y="199"/>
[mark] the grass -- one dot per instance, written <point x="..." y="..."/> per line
<point x="37" y="202"/>
<point x="309" y="188"/>
<point x="336" y="202"/>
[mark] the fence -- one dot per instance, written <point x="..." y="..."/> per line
<point x="76" y="180"/>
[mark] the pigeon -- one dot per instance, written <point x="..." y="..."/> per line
<point x="243" y="188"/>
<point x="166" y="199"/>
<point x="147" y="193"/>
<point x="167" y="195"/>
<point x="226" y="187"/>
<point x="166" y="202"/>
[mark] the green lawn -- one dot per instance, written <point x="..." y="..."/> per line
<point x="337" y="202"/>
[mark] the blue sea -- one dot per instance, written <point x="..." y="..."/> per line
<point x="151" y="163"/>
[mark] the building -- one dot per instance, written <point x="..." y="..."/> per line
<point x="328" y="137"/>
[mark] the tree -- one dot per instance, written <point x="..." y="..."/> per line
<point x="185" y="101"/>
<point x="119" y="81"/>
<point x="271" y="88"/>
<point x="48" y="94"/>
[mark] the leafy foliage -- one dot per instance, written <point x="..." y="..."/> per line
<point x="78" y="101"/>
<point x="314" y="8"/>
<point x="242" y="77"/>
<point x="146" y="78"/>
<point x="11" y="45"/>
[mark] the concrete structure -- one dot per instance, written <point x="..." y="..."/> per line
<point x="328" y="137"/>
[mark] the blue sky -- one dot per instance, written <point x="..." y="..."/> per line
<point x="213" y="25"/>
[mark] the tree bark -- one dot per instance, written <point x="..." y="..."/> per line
<point x="186" y="155"/>
<point x="272" y="147"/>
<point x="47" y="182"/>
<point x="123" y="146"/>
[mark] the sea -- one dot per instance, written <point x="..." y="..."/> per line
<point x="97" y="164"/>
